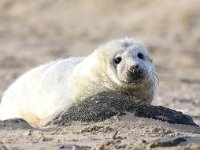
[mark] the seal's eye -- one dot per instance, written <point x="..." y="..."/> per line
<point x="140" y="55"/>
<point x="117" y="60"/>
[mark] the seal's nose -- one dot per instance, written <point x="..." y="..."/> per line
<point x="134" y="68"/>
<point x="136" y="74"/>
<point x="136" y="71"/>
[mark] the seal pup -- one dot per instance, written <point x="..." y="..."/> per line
<point x="122" y="65"/>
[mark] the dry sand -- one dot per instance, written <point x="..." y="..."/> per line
<point x="34" y="32"/>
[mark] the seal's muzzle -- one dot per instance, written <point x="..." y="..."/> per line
<point x="136" y="74"/>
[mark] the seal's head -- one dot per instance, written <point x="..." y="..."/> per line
<point x="129" y="68"/>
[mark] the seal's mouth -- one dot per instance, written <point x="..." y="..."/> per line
<point x="136" y="77"/>
<point x="138" y="81"/>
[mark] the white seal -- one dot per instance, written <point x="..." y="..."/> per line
<point x="122" y="65"/>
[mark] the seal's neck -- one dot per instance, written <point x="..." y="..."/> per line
<point x="87" y="80"/>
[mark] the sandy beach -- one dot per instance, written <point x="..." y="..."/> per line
<point x="35" y="32"/>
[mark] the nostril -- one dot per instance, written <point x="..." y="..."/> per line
<point x="135" y="67"/>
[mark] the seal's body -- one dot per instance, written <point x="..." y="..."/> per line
<point x="121" y="65"/>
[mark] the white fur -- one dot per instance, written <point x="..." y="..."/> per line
<point x="54" y="86"/>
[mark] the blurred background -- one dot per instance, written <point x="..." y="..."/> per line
<point x="35" y="32"/>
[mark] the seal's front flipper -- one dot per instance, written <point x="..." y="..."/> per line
<point x="47" y="121"/>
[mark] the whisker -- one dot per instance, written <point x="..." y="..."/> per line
<point x="156" y="79"/>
